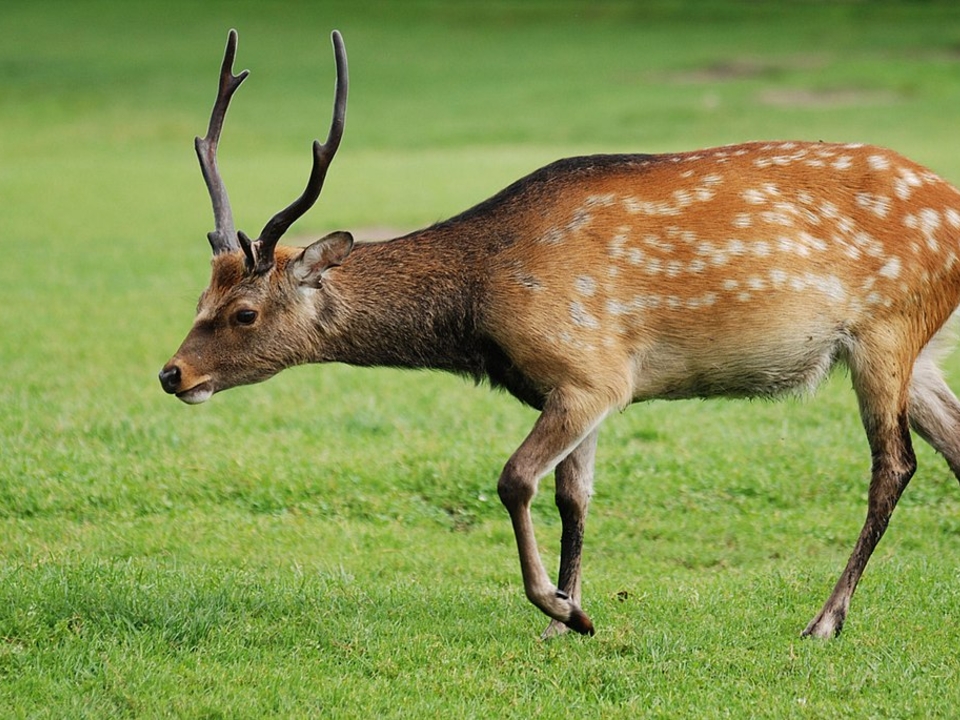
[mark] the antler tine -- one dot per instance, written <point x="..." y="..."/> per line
<point x="323" y="154"/>
<point x="224" y="237"/>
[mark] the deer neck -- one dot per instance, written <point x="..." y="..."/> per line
<point x="409" y="302"/>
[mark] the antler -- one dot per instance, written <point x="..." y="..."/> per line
<point x="224" y="238"/>
<point x="260" y="253"/>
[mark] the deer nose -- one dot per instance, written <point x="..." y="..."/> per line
<point x="170" y="378"/>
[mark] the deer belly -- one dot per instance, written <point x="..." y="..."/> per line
<point x="749" y="366"/>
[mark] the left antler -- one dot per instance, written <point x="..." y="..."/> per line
<point x="224" y="237"/>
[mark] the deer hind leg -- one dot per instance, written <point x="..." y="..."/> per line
<point x="574" y="481"/>
<point x="882" y="392"/>
<point x="935" y="411"/>
<point x="568" y="419"/>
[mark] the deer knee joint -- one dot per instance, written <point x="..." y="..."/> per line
<point x="572" y="500"/>
<point x="513" y="488"/>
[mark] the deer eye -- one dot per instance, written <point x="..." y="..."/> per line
<point x="245" y="317"/>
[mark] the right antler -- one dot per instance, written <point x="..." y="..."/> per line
<point x="224" y="237"/>
<point x="260" y="252"/>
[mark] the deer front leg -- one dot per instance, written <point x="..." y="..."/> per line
<point x="564" y="424"/>
<point x="574" y="486"/>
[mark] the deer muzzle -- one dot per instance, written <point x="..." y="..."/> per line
<point x="192" y="391"/>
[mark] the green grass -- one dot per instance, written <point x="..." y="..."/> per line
<point x="330" y="543"/>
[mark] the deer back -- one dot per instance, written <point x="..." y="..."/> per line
<point x="742" y="270"/>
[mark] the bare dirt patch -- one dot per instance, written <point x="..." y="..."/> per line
<point x="744" y="68"/>
<point x="826" y="99"/>
<point x="774" y="72"/>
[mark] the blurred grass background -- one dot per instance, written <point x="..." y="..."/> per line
<point x="330" y="543"/>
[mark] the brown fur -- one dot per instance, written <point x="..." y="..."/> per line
<point x="743" y="271"/>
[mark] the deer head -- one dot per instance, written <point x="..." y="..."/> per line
<point x="256" y="287"/>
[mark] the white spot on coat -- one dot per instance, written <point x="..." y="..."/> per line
<point x="929" y="220"/>
<point x="844" y="162"/>
<point x="929" y="224"/>
<point x="683" y="198"/>
<point x="812" y="242"/>
<point x="604" y="200"/>
<point x="553" y="236"/>
<point x="736" y="247"/>
<point x="829" y="285"/>
<point x="891" y="269"/>
<point x="585" y="285"/>
<point x="581" y="218"/>
<point x="582" y="318"/>
<point x="761" y="248"/>
<point x="869" y="244"/>
<point x="615" y="246"/>
<point x="617" y="307"/>
<point x="777" y="218"/>
<point x="879" y="205"/>
<point x="907" y="180"/>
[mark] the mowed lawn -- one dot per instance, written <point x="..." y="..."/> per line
<point x="330" y="543"/>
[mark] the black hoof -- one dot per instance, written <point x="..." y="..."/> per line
<point x="580" y="623"/>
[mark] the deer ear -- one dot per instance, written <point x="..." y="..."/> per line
<point x="315" y="260"/>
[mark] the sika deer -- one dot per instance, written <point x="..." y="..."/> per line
<point x="749" y="270"/>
